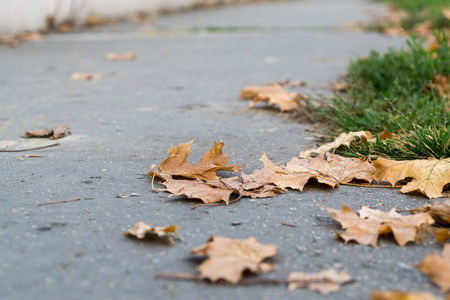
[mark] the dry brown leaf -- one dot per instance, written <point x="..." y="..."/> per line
<point x="53" y="134"/>
<point x="258" y="184"/>
<point x="370" y="224"/>
<point x="396" y="31"/>
<point x="208" y="192"/>
<point x="32" y="155"/>
<point x="177" y="163"/>
<point x="288" y="83"/>
<point x="441" y="84"/>
<point x="294" y="176"/>
<point x="65" y="27"/>
<point x="127" y="195"/>
<point x="265" y="191"/>
<point x="331" y="170"/>
<point x="440" y="211"/>
<point x="325" y="282"/>
<point x="442" y="235"/>
<point x="121" y="57"/>
<point x="385" y="135"/>
<point x="340" y="86"/>
<point x="229" y="258"/>
<point x="94" y="20"/>
<point x="85" y="76"/>
<point x="424" y="29"/>
<point x="342" y="139"/>
<point x="399" y="295"/>
<point x="342" y="169"/>
<point x="141" y="230"/>
<point x="446" y="13"/>
<point x="29" y="36"/>
<point x="273" y="95"/>
<point x="428" y="176"/>
<point x="437" y="268"/>
<point x="142" y="17"/>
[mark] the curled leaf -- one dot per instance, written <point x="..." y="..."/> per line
<point x="325" y="282"/>
<point x="141" y="230"/>
<point x="440" y="211"/>
<point x="273" y="95"/>
<point x="342" y="139"/>
<point x="53" y="134"/>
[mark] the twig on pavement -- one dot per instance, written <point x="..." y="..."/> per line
<point x="30" y="149"/>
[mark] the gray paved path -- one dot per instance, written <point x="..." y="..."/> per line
<point x="121" y="124"/>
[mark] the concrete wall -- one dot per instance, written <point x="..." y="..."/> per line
<point x="22" y="15"/>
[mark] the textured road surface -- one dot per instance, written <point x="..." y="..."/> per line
<point x="183" y="86"/>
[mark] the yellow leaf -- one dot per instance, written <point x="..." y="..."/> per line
<point x="428" y="176"/>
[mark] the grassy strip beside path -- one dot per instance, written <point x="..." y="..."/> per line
<point x="405" y="92"/>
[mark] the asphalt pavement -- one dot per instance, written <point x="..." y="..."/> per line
<point x="184" y="85"/>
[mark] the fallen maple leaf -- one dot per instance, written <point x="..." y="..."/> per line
<point x="440" y="211"/>
<point x="342" y="139"/>
<point x="141" y="230"/>
<point x="208" y="192"/>
<point x="85" y="76"/>
<point x="229" y="258"/>
<point x="399" y="295"/>
<point x="53" y="134"/>
<point x="121" y="56"/>
<point x="325" y="282"/>
<point x="273" y="95"/>
<point x="438" y="268"/>
<point x="331" y="170"/>
<point x="370" y="224"/>
<point x="428" y="176"/>
<point x="341" y="169"/>
<point x="294" y="177"/>
<point x="177" y="164"/>
<point x="258" y="184"/>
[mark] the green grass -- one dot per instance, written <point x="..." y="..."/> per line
<point x="419" y="143"/>
<point x="423" y="10"/>
<point x="390" y="91"/>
